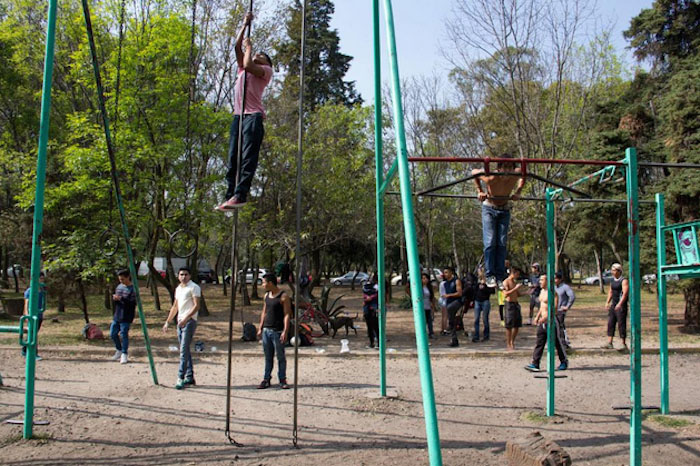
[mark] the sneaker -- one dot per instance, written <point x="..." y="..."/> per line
<point x="264" y="384"/>
<point x="475" y="340"/>
<point x="485" y="339"/>
<point x="532" y="368"/>
<point x="180" y="384"/>
<point x="608" y="346"/>
<point x="38" y="358"/>
<point x="563" y="366"/>
<point x="499" y="283"/>
<point x="124" y="359"/>
<point x="231" y="204"/>
<point x="624" y="349"/>
<point x="491" y="282"/>
<point x="529" y="321"/>
<point x="453" y="344"/>
<point x="284" y="385"/>
<point x="117" y="355"/>
<point x="189" y="381"/>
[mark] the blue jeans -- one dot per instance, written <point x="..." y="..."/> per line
<point x="184" y="337"/>
<point x="253" y="132"/>
<point x="495" y="235"/>
<point x="114" y="330"/>
<point x="482" y="308"/>
<point x="271" y="345"/>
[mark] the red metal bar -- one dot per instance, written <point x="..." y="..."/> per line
<point x="524" y="161"/>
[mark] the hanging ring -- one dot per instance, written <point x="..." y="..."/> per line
<point x="109" y="242"/>
<point x="182" y="244"/>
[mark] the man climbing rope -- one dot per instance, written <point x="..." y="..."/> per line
<point x="495" y="215"/>
<point x="254" y="74"/>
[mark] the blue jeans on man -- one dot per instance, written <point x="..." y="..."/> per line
<point x="120" y="328"/>
<point x="495" y="223"/>
<point x="271" y="345"/>
<point x="184" y="337"/>
<point x="253" y="132"/>
<point x="481" y="308"/>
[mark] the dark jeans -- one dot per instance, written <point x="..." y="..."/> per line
<point x="563" y="337"/>
<point x="542" y="341"/>
<point x="184" y="337"/>
<point x="619" y="318"/>
<point x="495" y="224"/>
<point x="372" y="322"/>
<point x="253" y="132"/>
<point x="114" y="330"/>
<point x="39" y="320"/>
<point x="482" y="308"/>
<point x="429" y="321"/>
<point x="272" y="345"/>
<point x="452" y="310"/>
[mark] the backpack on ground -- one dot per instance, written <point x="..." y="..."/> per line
<point x="250" y="333"/>
<point x="92" y="332"/>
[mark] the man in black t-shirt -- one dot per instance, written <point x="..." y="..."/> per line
<point x="124" y="309"/>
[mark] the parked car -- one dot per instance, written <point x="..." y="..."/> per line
<point x="346" y="279"/>
<point x="436" y="277"/>
<point x="248" y="276"/>
<point x="595" y="280"/>
<point x="650" y="278"/>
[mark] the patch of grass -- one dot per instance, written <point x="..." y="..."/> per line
<point x="667" y="421"/>
<point x="534" y="417"/>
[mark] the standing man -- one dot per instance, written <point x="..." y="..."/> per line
<point x="514" y="318"/>
<point x="258" y="73"/>
<point x="617" y="306"/>
<point x="186" y="307"/>
<point x="41" y="308"/>
<point x="274" y="328"/>
<point x="566" y="298"/>
<point x="495" y="215"/>
<point x="370" y="300"/>
<point x="124" y="309"/>
<point x="482" y="306"/>
<point x="541" y="322"/>
<point x="534" y="289"/>
<point x="453" y="302"/>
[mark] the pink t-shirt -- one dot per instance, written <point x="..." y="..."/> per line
<point x="255" y="87"/>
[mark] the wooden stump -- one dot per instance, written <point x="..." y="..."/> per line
<point x="536" y="450"/>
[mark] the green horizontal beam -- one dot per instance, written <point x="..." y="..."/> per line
<point x="8" y="329"/>
<point x="681" y="225"/>
<point x="389" y="176"/>
<point x="601" y="172"/>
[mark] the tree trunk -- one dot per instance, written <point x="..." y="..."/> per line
<point x="244" y="285"/>
<point x="203" y="309"/>
<point x="154" y="293"/>
<point x="691" y="293"/>
<point x="61" y="302"/>
<point x="454" y="251"/>
<point x="599" y="267"/>
<point x="83" y="300"/>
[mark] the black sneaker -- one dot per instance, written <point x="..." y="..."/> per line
<point x="475" y="340"/>
<point x="190" y="381"/>
<point x="454" y="344"/>
<point x="491" y="282"/>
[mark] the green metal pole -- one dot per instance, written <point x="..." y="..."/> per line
<point x="551" y="311"/>
<point x="661" y="291"/>
<point x="9" y="329"/>
<point x="30" y="368"/>
<point x="379" y="162"/>
<point x="117" y="189"/>
<point x="431" y="425"/>
<point x="635" y="309"/>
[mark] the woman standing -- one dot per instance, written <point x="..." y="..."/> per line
<point x="428" y="303"/>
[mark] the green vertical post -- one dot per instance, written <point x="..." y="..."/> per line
<point x="635" y="309"/>
<point x="551" y="311"/>
<point x="379" y="162"/>
<point x="30" y="368"/>
<point x="661" y="291"/>
<point x="426" y="375"/>
<point x="117" y="189"/>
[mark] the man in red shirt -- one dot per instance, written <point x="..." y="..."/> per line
<point x="258" y="69"/>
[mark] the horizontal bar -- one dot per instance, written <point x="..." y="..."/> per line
<point x="8" y="329"/>
<point x="390" y="174"/>
<point x="559" y="185"/>
<point x="681" y="225"/>
<point x="466" y="178"/>
<point x="535" y="199"/>
<point x="550" y="162"/>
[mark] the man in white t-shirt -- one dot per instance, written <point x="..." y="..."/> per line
<point x="186" y="306"/>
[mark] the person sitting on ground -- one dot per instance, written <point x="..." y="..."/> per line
<point x="124" y="299"/>
<point x="617" y="306"/>
<point x="541" y="322"/>
<point x="566" y="298"/>
<point x="495" y="215"/>
<point x="370" y="299"/>
<point x="514" y="319"/>
<point x="534" y="290"/>
<point x="258" y="72"/>
<point x="453" y="301"/>
<point x="274" y="328"/>
<point x="482" y="307"/>
<point x="41" y="308"/>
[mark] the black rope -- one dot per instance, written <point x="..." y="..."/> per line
<point x="297" y="253"/>
<point x="234" y="256"/>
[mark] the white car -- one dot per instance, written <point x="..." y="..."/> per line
<point x="436" y="276"/>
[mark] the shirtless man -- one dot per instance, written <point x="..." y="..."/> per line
<point x="514" y="318"/>
<point x="541" y="322"/>
<point x="495" y="215"/>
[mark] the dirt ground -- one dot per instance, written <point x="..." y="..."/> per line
<point x="101" y="412"/>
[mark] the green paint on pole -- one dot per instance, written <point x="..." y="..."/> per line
<point x="117" y="189"/>
<point x="30" y="368"/>
<point x="661" y="292"/>
<point x="379" y="163"/>
<point x="551" y="311"/>
<point x="635" y="309"/>
<point x="426" y="376"/>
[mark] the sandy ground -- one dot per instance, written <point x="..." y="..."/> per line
<point x="102" y="412"/>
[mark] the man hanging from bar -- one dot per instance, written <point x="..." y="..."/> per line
<point x="495" y="214"/>
<point x="257" y="70"/>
